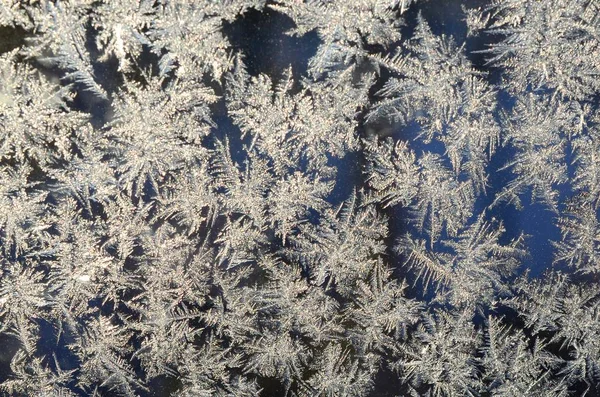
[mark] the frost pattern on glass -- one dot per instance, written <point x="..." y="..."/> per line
<point x="299" y="198"/>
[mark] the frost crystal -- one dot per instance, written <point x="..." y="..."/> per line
<point x="299" y="198"/>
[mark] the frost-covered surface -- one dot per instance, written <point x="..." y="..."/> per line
<point x="299" y="198"/>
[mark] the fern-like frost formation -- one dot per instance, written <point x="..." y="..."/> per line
<point x="300" y="198"/>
